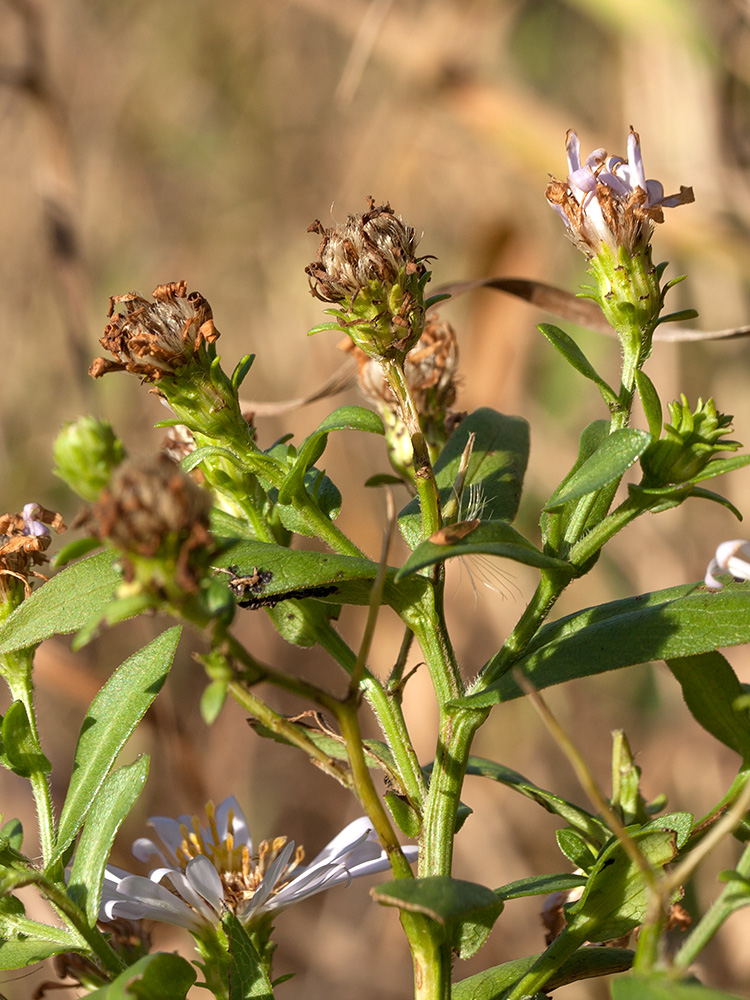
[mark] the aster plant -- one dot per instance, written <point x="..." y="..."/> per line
<point x="216" y="526"/>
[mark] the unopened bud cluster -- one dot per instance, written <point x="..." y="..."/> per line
<point x="368" y="268"/>
<point x="690" y="442"/>
<point x="87" y="451"/>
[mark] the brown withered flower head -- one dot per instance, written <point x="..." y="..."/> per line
<point x="154" y="339"/>
<point x="152" y="511"/>
<point x="368" y="266"/>
<point x="430" y="368"/>
<point x="24" y="538"/>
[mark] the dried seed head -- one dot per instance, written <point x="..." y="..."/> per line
<point x="154" y="339"/>
<point x="430" y="369"/>
<point x="375" y="246"/>
<point x="152" y="510"/>
<point x="24" y="538"/>
<point x="431" y="372"/>
<point x="368" y="267"/>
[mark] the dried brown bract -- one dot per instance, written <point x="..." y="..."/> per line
<point x="152" y="509"/>
<point x="154" y="339"/>
<point x="430" y="369"/>
<point x="375" y="246"/>
<point x="24" y="539"/>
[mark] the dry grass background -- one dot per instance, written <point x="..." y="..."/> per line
<point x="197" y="139"/>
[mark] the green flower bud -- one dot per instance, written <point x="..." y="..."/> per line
<point x="86" y="452"/>
<point x="368" y="267"/>
<point x="690" y="442"/>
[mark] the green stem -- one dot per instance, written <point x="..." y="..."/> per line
<point x="388" y="713"/>
<point x="109" y="959"/>
<point x="431" y="957"/>
<point x="733" y="896"/>
<point x="549" y="589"/>
<point x="364" y="787"/>
<point x="424" y="477"/>
<point x="17" y="668"/>
<point x="444" y="795"/>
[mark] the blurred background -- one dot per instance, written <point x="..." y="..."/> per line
<point x="145" y="142"/>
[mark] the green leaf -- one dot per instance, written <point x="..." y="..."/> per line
<point x="539" y="885"/>
<point x="576" y="848"/>
<point x="24" y="941"/>
<point x="617" y="452"/>
<point x="112" y="803"/>
<point x="299" y="573"/>
<point x="578" y="818"/>
<point x="345" y="418"/>
<point x="248" y="979"/>
<point x="710" y="688"/>
<point x="651" y="403"/>
<point x="20" y="747"/>
<point x="617" y="896"/>
<point x="252" y="462"/>
<point x="719" y="466"/>
<point x="111" y="718"/>
<point x="160" y="976"/>
<point x="65" y="604"/>
<point x="302" y="623"/>
<point x="492" y="538"/>
<point x="497" y="467"/>
<point x="406" y="816"/>
<point x="661" y="987"/>
<point x="465" y="910"/>
<point x="681" y="621"/>
<point x="575" y="356"/>
<point x="585" y="964"/>
<point x="554" y="523"/>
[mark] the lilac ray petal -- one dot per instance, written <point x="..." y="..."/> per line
<point x="240" y="830"/>
<point x="203" y="877"/>
<point x="31" y="525"/>
<point x="158" y="903"/>
<point x="573" y="149"/>
<point x="351" y="836"/>
<point x="185" y="890"/>
<point x="655" y="191"/>
<point x="635" y="159"/>
<point x="270" y="879"/>
<point x="144" y="849"/>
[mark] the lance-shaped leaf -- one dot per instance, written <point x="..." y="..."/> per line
<point x="465" y="911"/>
<point x="160" y="976"/>
<point x="24" y="941"/>
<point x="345" y="418"/>
<point x="586" y="963"/>
<point x="575" y="357"/>
<point x="711" y="690"/>
<point x="540" y="885"/>
<point x="247" y="976"/>
<point x="111" y="718"/>
<point x="678" y="622"/>
<point x="65" y="604"/>
<point x="112" y="803"/>
<point x="281" y="574"/>
<point x="577" y="817"/>
<point x="491" y="538"/>
<point x="497" y="467"/>
<point x="555" y="522"/>
<point x="660" y="986"/>
<point x="614" y="456"/>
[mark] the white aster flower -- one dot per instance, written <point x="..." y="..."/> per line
<point x="608" y="200"/>
<point x="206" y="872"/>
<point x="731" y="557"/>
